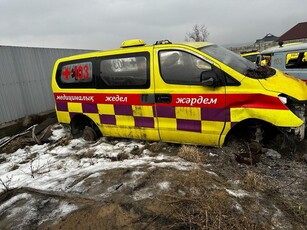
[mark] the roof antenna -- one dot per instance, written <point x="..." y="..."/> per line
<point x="280" y="43"/>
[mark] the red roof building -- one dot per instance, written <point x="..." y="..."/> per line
<point x="298" y="32"/>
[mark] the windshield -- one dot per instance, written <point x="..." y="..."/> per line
<point x="229" y="58"/>
<point x="238" y="63"/>
<point x="251" y="58"/>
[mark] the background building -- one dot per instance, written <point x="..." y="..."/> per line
<point x="298" y="33"/>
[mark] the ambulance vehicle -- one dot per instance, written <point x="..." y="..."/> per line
<point x="192" y="93"/>
<point x="250" y="55"/>
<point x="289" y="58"/>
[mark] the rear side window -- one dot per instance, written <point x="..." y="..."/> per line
<point x="76" y="74"/>
<point x="251" y="58"/>
<point x="296" y="60"/>
<point x="124" y="71"/>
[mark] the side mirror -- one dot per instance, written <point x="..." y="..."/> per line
<point x="209" y="78"/>
<point x="208" y="82"/>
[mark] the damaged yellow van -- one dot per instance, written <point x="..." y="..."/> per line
<point x="290" y="58"/>
<point x="193" y="93"/>
<point x="250" y="55"/>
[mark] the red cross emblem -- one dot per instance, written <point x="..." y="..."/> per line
<point x="66" y="73"/>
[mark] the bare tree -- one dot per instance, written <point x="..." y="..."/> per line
<point x="199" y="34"/>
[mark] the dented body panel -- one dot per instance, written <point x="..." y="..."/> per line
<point x="157" y="93"/>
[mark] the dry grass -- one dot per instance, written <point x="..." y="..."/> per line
<point x="253" y="181"/>
<point x="299" y="210"/>
<point x="157" y="147"/>
<point x="120" y="157"/>
<point x="190" y="153"/>
<point x="203" y="203"/>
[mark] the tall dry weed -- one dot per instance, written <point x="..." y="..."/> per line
<point x="190" y="153"/>
<point x="203" y="203"/>
<point x="253" y="181"/>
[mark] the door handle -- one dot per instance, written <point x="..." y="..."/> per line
<point x="163" y="98"/>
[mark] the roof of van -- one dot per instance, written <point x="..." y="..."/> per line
<point x="197" y="44"/>
<point x="285" y="48"/>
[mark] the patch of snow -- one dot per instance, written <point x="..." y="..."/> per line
<point x="180" y="165"/>
<point x="212" y="173"/>
<point x="182" y="193"/>
<point x="146" y="152"/>
<point x="143" y="194"/>
<point x="62" y="210"/>
<point x="28" y="207"/>
<point x="165" y="185"/>
<point x="58" y="133"/>
<point x="237" y="193"/>
<point x="273" y="154"/>
<point x="46" y="171"/>
<point x="234" y="182"/>
<point x="238" y="207"/>
<point x="137" y="174"/>
<point x="13" y="200"/>
<point x="212" y="155"/>
<point x="279" y="221"/>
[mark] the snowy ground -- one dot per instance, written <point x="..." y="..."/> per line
<point x="55" y="168"/>
<point x="45" y="167"/>
<point x="115" y="183"/>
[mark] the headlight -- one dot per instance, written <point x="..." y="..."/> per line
<point x="283" y="99"/>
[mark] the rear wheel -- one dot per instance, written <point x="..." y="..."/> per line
<point x="89" y="134"/>
<point x="82" y="126"/>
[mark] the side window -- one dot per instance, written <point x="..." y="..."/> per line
<point x="178" y="67"/>
<point x="75" y="74"/>
<point x="296" y="60"/>
<point x="125" y="71"/>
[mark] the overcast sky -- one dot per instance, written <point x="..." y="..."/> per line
<point x="104" y="24"/>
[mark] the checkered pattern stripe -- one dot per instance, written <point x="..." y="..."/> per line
<point x="190" y="119"/>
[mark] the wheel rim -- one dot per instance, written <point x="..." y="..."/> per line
<point x="89" y="134"/>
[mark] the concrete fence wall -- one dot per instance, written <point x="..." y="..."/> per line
<point x="25" y="80"/>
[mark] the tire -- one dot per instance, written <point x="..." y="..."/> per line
<point x="89" y="134"/>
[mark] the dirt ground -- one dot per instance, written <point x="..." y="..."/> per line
<point x="219" y="192"/>
<point x="273" y="196"/>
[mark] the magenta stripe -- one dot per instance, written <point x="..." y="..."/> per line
<point x="215" y="114"/>
<point x="89" y="108"/>
<point x="107" y="119"/>
<point x="147" y="122"/>
<point x="123" y="110"/>
<point x="61" y="106"/>
<point x="165" y="111"/>
<point x="189" y="125"/>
